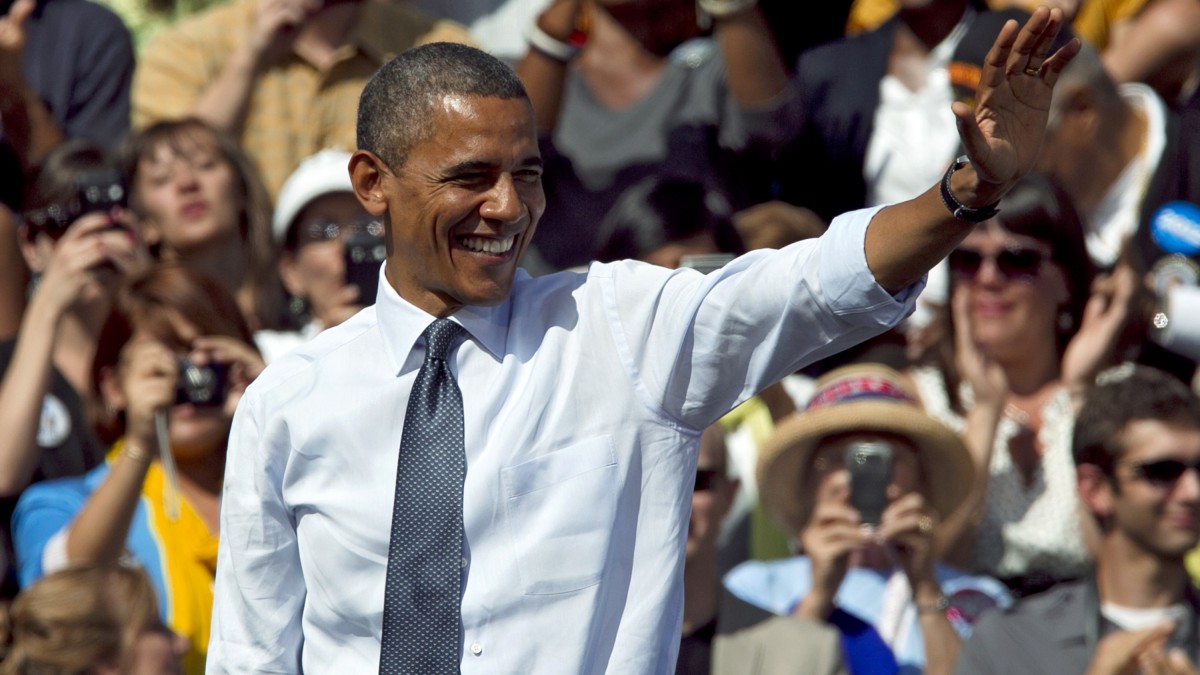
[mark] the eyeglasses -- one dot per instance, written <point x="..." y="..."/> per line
<point x="706" y="479"/>
<point x="1163" y="473"/>
<point x="1016" y="263"/>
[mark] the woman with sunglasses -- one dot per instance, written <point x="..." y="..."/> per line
<point x="1026" y="328"/>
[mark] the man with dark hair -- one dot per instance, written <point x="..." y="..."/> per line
<point x="542" y="432"/>
<point x="1137" y="452"/>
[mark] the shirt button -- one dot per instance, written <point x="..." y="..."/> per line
<point x="476" y="648"/>
<point x="463" y="562"/>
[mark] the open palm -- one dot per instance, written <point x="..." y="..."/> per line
<point x="1003" y="133"/>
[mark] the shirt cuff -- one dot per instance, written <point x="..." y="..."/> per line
<point x="848" y="282"/>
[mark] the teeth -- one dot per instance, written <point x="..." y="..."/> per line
<point x="483" y="245"/>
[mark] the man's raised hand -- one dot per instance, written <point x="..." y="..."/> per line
<point x="1003" y="133"/>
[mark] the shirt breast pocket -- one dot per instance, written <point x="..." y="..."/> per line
<point x="561" y="510"/>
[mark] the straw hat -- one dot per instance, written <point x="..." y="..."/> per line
<point x="860" y="397"/>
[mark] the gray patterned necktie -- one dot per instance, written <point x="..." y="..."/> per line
<point x="422" y="605"/>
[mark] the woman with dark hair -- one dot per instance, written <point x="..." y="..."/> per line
<point x="200" y="203"/>
<point x="175" y="357"/>
<point x="1025" y="331"/>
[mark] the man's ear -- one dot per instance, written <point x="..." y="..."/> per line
<point x="366" y="176"/>
<point x="1095" y="490"/>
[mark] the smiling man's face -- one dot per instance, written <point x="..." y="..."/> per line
<point x="465" y="204"/>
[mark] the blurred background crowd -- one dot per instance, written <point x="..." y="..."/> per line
<point x="175" y="213"/>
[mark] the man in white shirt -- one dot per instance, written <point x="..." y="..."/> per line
<point x="583" y="394"/>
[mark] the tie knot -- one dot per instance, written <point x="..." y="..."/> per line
<point x="439" y="337"/>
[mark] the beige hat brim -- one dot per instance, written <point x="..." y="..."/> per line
<point x="784" y="459"/>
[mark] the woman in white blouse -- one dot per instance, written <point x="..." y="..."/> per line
<point x="1027" y="328"/>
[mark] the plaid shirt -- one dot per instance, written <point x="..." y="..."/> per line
<point x="294" y="109"/>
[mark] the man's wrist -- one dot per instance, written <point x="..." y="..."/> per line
<point x="966" y="195"/>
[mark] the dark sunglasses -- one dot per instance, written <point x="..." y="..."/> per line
<point x="1013" y="263"/>
<point x="706" y="479"/>
<point x="1163" y="472"/>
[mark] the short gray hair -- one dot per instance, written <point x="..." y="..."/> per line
<point x="395" y="111"/>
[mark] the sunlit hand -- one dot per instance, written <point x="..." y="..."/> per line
<point x="72" y="272"/>
<point x="1003" y="133"/>
<point x="906" y="528"/>
<point x="1118" y="653"/>
<point x="148" y="371"/>
<point x="1105" y="316"/>
<point x="980" y="371"/>
<point x="276" y="23"/>
<point x="832" y="534"/>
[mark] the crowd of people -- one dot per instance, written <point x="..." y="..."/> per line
<point x="225" y="239"/>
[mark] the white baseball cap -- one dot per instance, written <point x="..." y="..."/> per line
<point x="320" y="174"/>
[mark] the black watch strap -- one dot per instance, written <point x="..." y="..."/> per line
<point x="957" y="208"/>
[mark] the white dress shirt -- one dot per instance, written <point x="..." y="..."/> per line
<point x="584" y="397"/>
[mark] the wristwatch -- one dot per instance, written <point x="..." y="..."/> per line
<point x="957" y="208"/>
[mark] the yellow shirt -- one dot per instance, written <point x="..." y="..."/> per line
<point x="186" y="561"/>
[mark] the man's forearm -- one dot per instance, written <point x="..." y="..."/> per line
<point x="906" y="240"/>
<point x="224" y="103"/>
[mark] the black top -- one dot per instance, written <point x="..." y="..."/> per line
<point x="67" y="444"/>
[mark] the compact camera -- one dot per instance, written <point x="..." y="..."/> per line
<point x="201" y="386"/>
<point x="99" y="190"/>
<point x="365" y="250"/>
<point x="870" y="467"/>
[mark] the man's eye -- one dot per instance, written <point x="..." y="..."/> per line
<point x="529" y="175"/>
<point x="470" y="179"/>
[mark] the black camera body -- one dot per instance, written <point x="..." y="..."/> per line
<point x="365" y="250"/>
<point x="96" y="191"/>
<point x="201" y="386"/>
<point x="870" y="467"/>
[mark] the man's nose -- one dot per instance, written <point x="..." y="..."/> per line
<point x="503" y="201"/>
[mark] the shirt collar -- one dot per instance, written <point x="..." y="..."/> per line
<point x="402" y="323"/>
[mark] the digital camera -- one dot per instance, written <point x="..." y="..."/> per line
<point x="201" y="386"/>
<point x="97" y="191"/>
